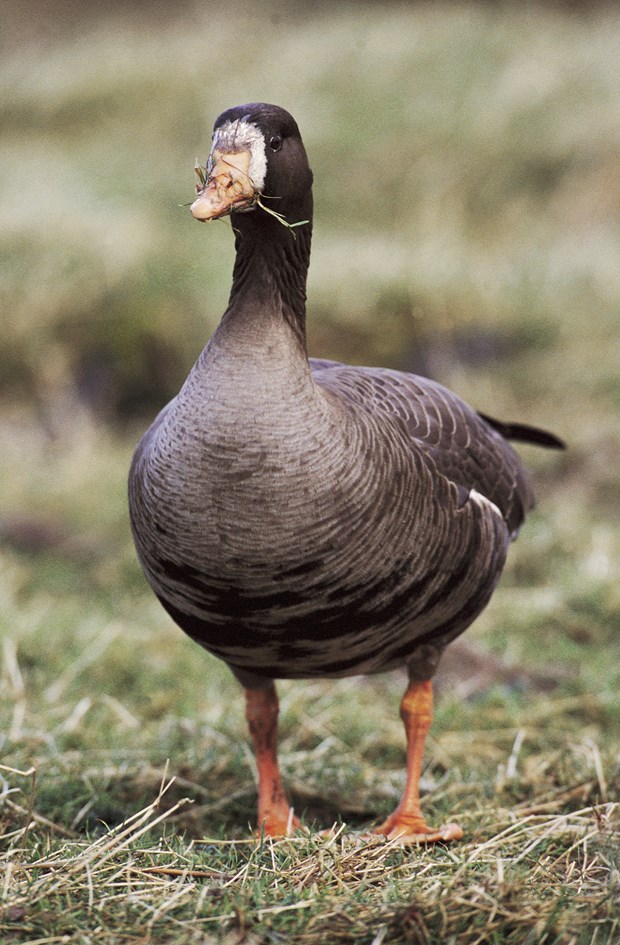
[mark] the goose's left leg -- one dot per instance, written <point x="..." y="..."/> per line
<point x="407" y="823"/>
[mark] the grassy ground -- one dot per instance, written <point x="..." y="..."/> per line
<point x="467" y="189"/>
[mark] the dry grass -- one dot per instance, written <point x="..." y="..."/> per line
<point x="345" y="888"/>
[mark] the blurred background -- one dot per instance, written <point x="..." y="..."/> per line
<point x="467" y="193"/>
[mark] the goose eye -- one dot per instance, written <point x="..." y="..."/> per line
<point x="275" y="143"/>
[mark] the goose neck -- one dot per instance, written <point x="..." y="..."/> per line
<point x="270" y="274"/>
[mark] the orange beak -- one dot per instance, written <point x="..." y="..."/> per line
<point x="226" y="187"/>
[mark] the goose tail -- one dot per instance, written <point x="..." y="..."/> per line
<point x="525" y="433"/>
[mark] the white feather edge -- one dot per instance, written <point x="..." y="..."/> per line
<point x="482" y="500"/>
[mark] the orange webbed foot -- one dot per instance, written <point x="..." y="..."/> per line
<point x="278" y="824"/>
<point x="406" y="830"/>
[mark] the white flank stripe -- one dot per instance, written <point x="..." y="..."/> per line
<point x="482" y="500"/>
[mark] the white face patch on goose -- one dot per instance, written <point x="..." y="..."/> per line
<point x="242" y="135"/>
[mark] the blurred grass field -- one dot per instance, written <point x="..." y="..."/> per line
<point x="467" y="194"/>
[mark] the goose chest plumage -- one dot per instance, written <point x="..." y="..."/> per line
<point x="302" y="518"/>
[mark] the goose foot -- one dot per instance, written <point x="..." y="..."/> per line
<point x="280" y="823"/>
<point x="407" y="830"/>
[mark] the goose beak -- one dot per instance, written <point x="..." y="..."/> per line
<point x="226" y="186"/>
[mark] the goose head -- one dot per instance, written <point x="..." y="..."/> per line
<point x="257" y="165"/>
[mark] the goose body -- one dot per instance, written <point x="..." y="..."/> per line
<point x="319" y="536"/>
<point x="303" y="518"/>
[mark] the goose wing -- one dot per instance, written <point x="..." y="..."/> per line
<point x="455" y="441"/>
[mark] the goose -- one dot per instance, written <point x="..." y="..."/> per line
<point x="302" y="518"/>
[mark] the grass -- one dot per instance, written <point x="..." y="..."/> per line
<point x="466" y="188"/>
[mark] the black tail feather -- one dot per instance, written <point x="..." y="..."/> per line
<point x="525" y="433"/>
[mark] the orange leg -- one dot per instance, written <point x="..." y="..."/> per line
<point x="407" y="824"/>
<point x="275" y="816"/>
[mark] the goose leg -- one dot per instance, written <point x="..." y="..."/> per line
<point x="407" y="824"/>
<point x="275" y="816"/>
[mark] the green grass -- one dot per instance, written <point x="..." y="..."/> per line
<point x="466" y="166"/>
